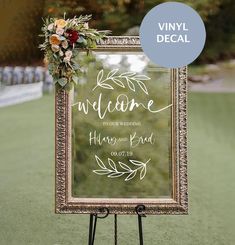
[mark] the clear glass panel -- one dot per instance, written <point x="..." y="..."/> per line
<point x="121" y="128"/>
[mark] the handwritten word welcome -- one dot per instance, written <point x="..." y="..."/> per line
<point x="122" y="104"/>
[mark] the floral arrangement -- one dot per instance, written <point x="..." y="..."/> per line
<point x="64" y="38"/>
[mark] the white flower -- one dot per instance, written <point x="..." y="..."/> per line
<point x="86" y="25"/>
<point x="61" y="53"/>
<point x="55" y="48"/>
<point x="50" y="27"/>
<point x="66" y="59"/>
<point x="68" y="54"/>
<point x="59" y="31"/>
<point x="65" y="44"/>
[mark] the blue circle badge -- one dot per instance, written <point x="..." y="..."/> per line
<point x="172" y="34"/>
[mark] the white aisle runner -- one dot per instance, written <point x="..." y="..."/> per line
<point x="15" y="94"/>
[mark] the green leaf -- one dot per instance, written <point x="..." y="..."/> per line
<point x="62" y="38"/>
<point x="75" y="52"/>
<point x="51" y="67"/>
<point x="80" y="40"/>
<point x="91" y="43"/>
<point x="75" y="66"/>
<point x="62" y="81"/>
<point x="75" y="79"/>
<point x="85" y="42"/>
<point x="68" y="86"/>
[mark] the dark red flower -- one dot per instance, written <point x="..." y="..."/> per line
<point x="72" y="36"/>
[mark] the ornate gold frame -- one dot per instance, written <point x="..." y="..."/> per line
<point x="178" y="204"/>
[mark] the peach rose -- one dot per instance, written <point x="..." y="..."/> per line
<point x="60" y="23"/>
<point x="54" y="39"/>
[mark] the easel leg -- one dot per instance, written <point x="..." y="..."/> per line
<point x="115" y="229"/>
<point x="140" y="230"/>
<point x="140" y="210"/>
<point x="94" y="230"/>
<point x="92" y="225"/>
<point x="90" y="230"/>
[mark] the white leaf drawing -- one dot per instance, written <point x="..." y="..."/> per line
<point x="105" y="85"/>
<point x="99" y="162"/>
<point x="101" y="171"/>
<point x="143" y="86"/>
<point x="124" y="166"/>
<point x="112" y="73"/>
<point x="130" y="84"/>
<point x="135" y="162"/>
<point x="100" y="76"/>
<point x="141" y="77"/>
<point x="112" y="164"/>
<point x="124" y="169"/>
<point x="115" y="175"/>
<point x="118" y="82"/>
<point x="131" y="78"/>
<point x="143" y="172"/>
<point x="128" y="74"/>
<point x="131" y="176"/>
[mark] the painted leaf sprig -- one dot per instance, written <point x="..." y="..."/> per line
<point x="129" y="79"/>
<point x="63" y="39"/>
<point x="113" y="170"/>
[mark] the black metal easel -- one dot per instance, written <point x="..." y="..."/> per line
<point x="140" y="211"/>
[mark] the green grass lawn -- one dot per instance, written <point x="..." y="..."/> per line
<point x="27" y="182"/>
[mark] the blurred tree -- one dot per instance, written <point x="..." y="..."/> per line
<point x="220" y="26"/>
<point x="20" y="24"/>
<point x="121" y="15"/>
<point x="117" y="16"/>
